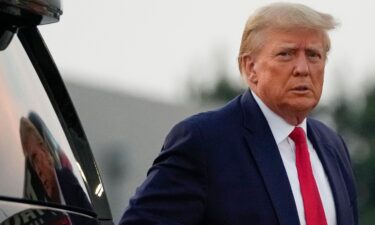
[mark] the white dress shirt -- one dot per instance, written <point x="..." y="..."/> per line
<point x="281" y="130"/>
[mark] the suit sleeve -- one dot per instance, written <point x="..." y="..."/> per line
<point x="174" y="191"/>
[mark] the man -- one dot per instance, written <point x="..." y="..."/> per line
<point x="250" y="161"/>
<point x="49" y="174"/>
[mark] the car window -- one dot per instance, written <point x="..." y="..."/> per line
<point x="37" y="161"/>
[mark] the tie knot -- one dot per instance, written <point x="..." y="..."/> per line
<point x="298" y="135"/>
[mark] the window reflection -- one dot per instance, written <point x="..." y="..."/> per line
<point x="48" y="172"/>
<point x="35" y="156"/>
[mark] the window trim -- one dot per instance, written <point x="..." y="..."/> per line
<point x="49" y="75"/>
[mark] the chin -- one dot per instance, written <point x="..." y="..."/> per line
<point x="303" y="107"/>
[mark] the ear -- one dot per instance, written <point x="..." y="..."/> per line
<point x="249" y="70"/>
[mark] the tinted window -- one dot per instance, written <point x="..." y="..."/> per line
<point x="36" y="160"/>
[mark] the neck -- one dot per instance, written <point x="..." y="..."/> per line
<point x="293" y="120"/>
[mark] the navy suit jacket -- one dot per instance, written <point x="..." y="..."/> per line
<point x="224" y="168"/>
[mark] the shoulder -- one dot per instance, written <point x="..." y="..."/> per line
<point x="211" y="122"/>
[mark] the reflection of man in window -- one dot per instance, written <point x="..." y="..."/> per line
<point x="49" y="176"/>
<point x="40" y="159"/>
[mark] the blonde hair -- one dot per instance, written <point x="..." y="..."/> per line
<point x="282" y="16"/>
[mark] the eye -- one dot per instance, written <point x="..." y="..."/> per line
<point x="314" y="55"/>
<point x="284" y="55"/>
<point x="33" y="158"/>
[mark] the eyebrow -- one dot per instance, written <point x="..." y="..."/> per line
<point x="289" y="47"/>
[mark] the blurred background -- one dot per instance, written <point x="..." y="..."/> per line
<point x="135" y="68"/>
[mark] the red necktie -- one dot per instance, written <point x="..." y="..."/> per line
<point x="314" y="211"/>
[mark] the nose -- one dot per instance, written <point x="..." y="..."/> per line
<point x="301" y="67"/>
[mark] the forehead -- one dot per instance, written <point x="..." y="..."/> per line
<point x="295" y="38"/>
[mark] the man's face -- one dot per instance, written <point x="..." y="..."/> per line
<point x="288" y="72"/>
<point x="42" y="163"/>
<point x="37" y="152"/>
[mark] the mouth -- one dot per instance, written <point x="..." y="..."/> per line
<point x="301" y="89"/>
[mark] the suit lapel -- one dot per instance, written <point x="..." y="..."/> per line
<point x="267" y="157"/>
<point x="327" y="157"/>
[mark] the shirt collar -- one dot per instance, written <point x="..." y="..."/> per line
<point x="279" y="127"/>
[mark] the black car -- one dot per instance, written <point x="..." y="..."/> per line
<point x="47" y="171"/>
